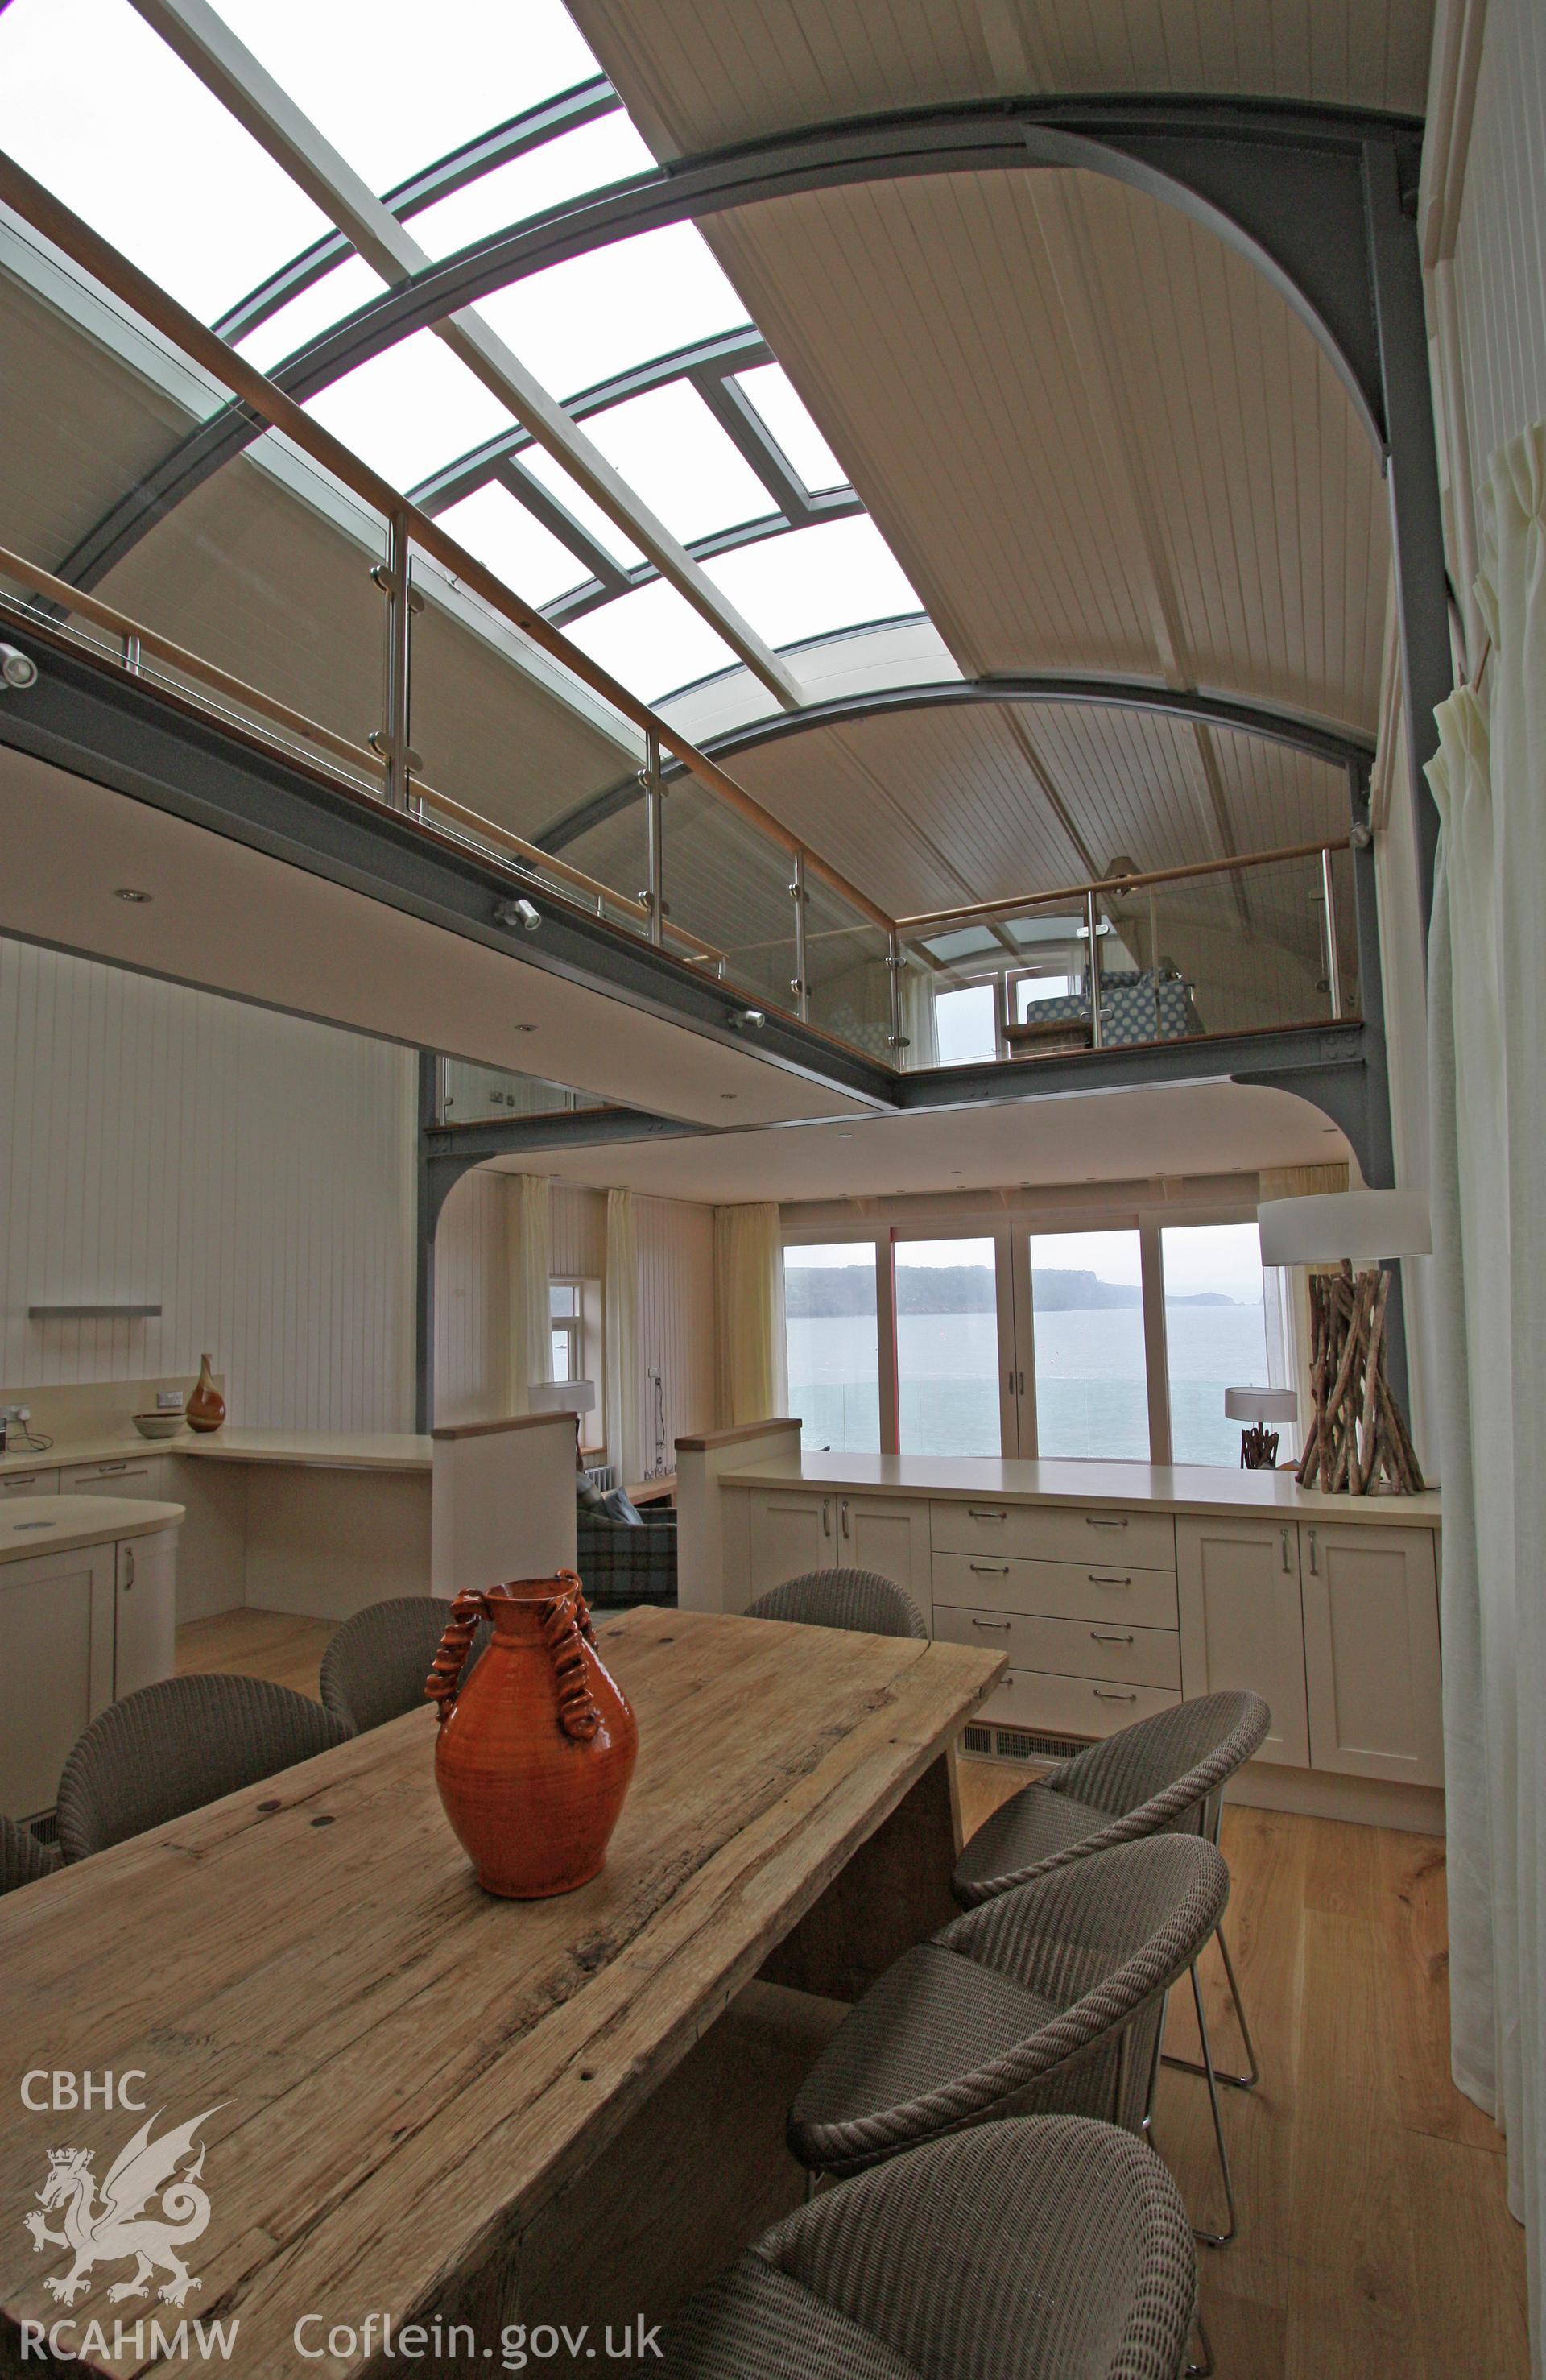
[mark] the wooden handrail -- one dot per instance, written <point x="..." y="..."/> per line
<point x="96" y="256"/>
<point x="177" y="657"/>
<point x="1014" y="905"/>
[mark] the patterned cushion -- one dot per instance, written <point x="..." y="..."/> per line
<point x="623" y="1565"/>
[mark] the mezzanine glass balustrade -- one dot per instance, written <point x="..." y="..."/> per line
<point x="1268" y="943"/>
<point x="466" y="1093"/>
<point x="152" y="512"/>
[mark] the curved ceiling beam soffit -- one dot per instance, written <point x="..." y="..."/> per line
<point x="1285" y="185"/>
<point x="1336" y="747"/>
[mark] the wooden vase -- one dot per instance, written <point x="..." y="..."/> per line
<point x="206" y="1407"/>
<point x="534" y="1754"/>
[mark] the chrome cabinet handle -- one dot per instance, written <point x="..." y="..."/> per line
<point x="1284" y="1536"/>
<point x="1314" y="1564"/>
<point x="21" y="1479"/>
<point x="977" y="1512"/>
<point x="1106" y="1519"/>
<point x="843" y="1508"/>
<point x="826" y="1516"/>
<point x="1109" y="1578"/>
<point x="1096" y="1638"/>
<point x="129" y="1557"/>
<point x="990" y="1570"/>
<point x="105" y="1470"/>
<point x="1002" y="1625"/>
<point x="1102" y="1696"/>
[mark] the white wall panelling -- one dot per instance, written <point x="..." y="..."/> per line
<point x="676" y="1303"/>
<point x="251" y="1172"/>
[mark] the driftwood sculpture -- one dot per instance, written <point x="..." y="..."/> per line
<point x="1358" y="1437"/>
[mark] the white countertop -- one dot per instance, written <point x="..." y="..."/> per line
<point x="60" y="1524"/>
<point x="1168" y="1487"/>
<point x="327" y="1449"/>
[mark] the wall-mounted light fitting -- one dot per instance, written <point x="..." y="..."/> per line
<point x="525" y="913"/>
<point x="18" y="670"/>
<point x="748" y="1020"/>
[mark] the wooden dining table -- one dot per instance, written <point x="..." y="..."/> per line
<point x="403" y="2079"/>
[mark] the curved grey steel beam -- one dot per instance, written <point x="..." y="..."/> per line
<point x="1284" y="183"/>
<point x="1339" y="749"/>
<point x="549" y="120"/>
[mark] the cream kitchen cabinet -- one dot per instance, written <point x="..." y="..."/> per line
<point x="29" y="1483"/>
<point x="791" y="1531"/>
<point x="144" y="1474"/>
<point x="1239" y="1586"/>
<point x="56" y="1636"/>
<point x="1372" y="1651"/>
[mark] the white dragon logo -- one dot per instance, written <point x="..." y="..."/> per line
<point x="106" y="2234"/>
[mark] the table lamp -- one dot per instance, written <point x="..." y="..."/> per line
<point x="1357" y="1438"/>
<point x="1257" y="1408"/>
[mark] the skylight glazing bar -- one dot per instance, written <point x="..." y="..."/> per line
<point x="549" y="120"/>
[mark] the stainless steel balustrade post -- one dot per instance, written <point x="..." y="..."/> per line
<point x="655" y="836"/>
<point x="801" y="986"/>
<point x="392" y="740"/>
<point x="893" y="972"/>
<point x="1091" y="926"/>
<point x="1333" y="963"/>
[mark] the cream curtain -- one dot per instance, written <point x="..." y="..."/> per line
<point x="622" y="1337"/>
<point x="528" y="1261"/>
<point x="1487" y="1020"/>
<point x="918" y="1022"/>
<point x="751" y="1359"/>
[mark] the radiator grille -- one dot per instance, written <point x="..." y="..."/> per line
<point x="1017" y="1743"/>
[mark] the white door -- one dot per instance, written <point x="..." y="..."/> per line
<point x="1241" y="1626"/>
<point x="146" y="1635"/>
<point x="1371" y="1650"/>
<point x="792" y="1532"/>
<point x="55" y="1667"/>
<point x="889" y="1534"/>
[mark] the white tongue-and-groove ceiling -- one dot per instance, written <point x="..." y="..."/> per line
<point x="1095" y="437"/>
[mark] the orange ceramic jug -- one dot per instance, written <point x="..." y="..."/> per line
<point x="535" y="1753"/>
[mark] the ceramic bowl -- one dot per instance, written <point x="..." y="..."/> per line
<point x="158" y="1424"/>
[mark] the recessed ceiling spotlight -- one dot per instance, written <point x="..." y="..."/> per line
<point x="523" y="1028"/>
<point x="845" y="1135"/>
<point x="127" y="893"/>
<point x="730" y="1095"/>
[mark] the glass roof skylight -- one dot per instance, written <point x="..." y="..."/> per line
<point x="409" y="410"/>
<point x="349" y="285"/>
<point x="394" y="83"/>
<point x="652" y="640"/>
<point x="784" y="410"/>
<point x="501" y="532"/>
<point x="582" y="321"/>
<point x="815" y="580"/>
<point x="670" y="448"/>
<point x="95" y="106"/>
<point x="608" y="150"/>
<point x="573" y="497"/>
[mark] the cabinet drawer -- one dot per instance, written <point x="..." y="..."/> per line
<point x="1142" y="1598"/>
<point x="1062" y="1533"/>
<point x="29" y="1483"/>
<point x="1134" y="1656"/>
<point x="127" y="1476"/>
<point x="1051" y="1706"/>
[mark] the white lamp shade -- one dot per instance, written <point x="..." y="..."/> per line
<point x="1262" y="1404"/>
<point x="1353" y="1223"/>
<point x="563" y="1396"/>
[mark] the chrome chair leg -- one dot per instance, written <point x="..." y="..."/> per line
<point x="1215" y="2238"/>
<point x="1205" y="2369"/>
<point x="1190" y="2065"/>
<point x="811" y="2181"/>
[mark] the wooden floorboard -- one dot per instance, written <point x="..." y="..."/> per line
<point x="1376" y="2241"/>
<point x="278" y="1645"/>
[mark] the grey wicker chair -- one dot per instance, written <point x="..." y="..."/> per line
<point x="172" y="1747"/>
<point x="1164" y="1774"/>
<point x="375" y="1665"/>
<point x="22" y="1858"/>
<point x="1043" y="2249"/>
<point x="1046" y="2002"/>
<point x="859" y="1599"/>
